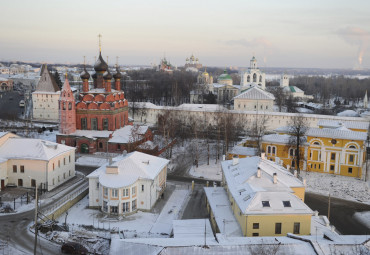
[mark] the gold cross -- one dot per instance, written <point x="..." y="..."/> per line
<point x="100" y="36"/>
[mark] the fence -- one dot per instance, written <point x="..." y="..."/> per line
<point x="16" y="202"/>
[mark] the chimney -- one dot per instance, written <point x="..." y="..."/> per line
<point x="263" y="155"/>
<point x="258" y="172"/>
<point x="275" y="178"/>
<point x="235" y="160"/>
<point x="295" y="173"/>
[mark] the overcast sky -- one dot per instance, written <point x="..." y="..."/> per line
<point x="324" y="34"/>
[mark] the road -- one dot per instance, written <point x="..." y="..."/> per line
<point x="9" y="105"/>
<point x="341" y="213"/>
<point x="196" y="209"/>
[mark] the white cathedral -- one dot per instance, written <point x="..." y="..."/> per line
<point x="252" y="77"/>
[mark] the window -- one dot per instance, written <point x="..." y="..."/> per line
<point x="97" y="185"/>
<point x="100" y="145"/>
<point x="105" y="206"/>
<point x="69" y="106"/>
<point x="273" y="150"/>
<point x="266" y="203"/>
<point x="83" y="123"/>
<point x="296" y="228"/>
<point x="114" y="209"/>
<point x="114" y="192"/>
<point x="256" y="225"/>
<point x="287" y="204"/>
<point x="105" y="191"/>
<point x="69" y="172"/>
<point x="69" y="159"/>
<point x="349" y="170"/>
<point x="351" y="158"/>
<point x="58" y="178"/>
<point x="64" y="175"/>
<point x="291" y="152"/>
<point x="14" y="168"/>
<point x="255" y="234"/>
<point x="125" y="192"/>
<point x="58" y="163"/>
<point x="126" y="207"/>
<point x="331" y="167"/>
<point x="22" y="169"/>
<point x="142" y="187"/>
<point x="94" y="124"/>
<point x="133" y="205"/>
<point x="316" y="143"/>
<point x="20" y="182"/>
<point x="254" y="77"/>
<point x="352" y="147"/>
<point x="278" y="228"/>
<point x="332" y="156"/>
<point x="64" y="161"/>
<point x="133" y="191"/>
<point x="248" y="78"/>
<point x="118" y="147"/>
<point x="268" y="149"/>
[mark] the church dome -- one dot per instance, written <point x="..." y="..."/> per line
<point x="85" y="75"/>
<point x="107" y="75"/>
<point x="100" y="64"/>
<point x="225" y="76"/>
<point x="117" y="75"/>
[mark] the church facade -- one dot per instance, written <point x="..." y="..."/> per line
<point x="253" y="76"/>
<point x="98" y="121"/>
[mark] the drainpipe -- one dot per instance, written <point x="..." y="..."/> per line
<point x="46" y="181"/>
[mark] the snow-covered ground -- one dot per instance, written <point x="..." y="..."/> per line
<point x="210" y="172"/>
<point x="339" y="186"/>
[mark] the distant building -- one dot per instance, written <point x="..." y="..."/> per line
<point x="203" y="88"/>
<point x="45" y="98"/>
<point x="134" y="182"/>
<point x="6" y="84"/>
<point x="224" y="88"/>
<point x="292" y="90"/>
<point x="165" y="66"/>
<point x="252" y="77"/>
<point x="265" y="199"/>
<point x="192" y="62"/>
<point x="27" y="162"/>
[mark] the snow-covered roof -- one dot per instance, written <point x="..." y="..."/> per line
<point x="92" y="133"/>
<point x="255" y="93"/>
<point x="203" y="107"/>
<point x="128" y="134"/>
<point x="148" y="145"/>
<point x="224" y="216"/>
<point x="29" y="148"/>
<point x="276" y="138"/>
<point x="249" y="191"/>
<point x="348" y="124"/>
<point x="192" y="228"/>
<point x="348" y="113"/>
<point x="3" y="79"/>
<point x="135" y="165"/>
<point x="336" y="134"/>
<point x="242" y="150"/>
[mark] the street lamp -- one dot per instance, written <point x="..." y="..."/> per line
<point x="36" y="204"/>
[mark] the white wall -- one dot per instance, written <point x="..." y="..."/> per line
<point x="45" y="105"/>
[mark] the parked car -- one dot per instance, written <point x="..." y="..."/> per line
<point x="74" y="248"/>
<point x="21" y="103"/>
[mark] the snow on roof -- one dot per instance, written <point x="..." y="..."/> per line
<point x="148" y="145"/>
<point x="348" y="124"/>
<point x="128" y="134"/>
<point x="28" y="148"/>
<point x="3" y="133"/>
<point x="224" y="216"/>
<point x="92" y="133"/>
<point x="135" y="165"/>
<point x="249" y="191"/>
<point x="3" y="79"/>
<point x="336" y="134"/>
<point x="276" y="138"/>
<point x="203" y="107"/>
<point x="193" y="228"/>
<point x="348" y="113"/>
<point x="255" y="93"/>
<point x="242" y="150"/>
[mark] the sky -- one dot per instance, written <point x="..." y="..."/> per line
<point x="296" y="33"/>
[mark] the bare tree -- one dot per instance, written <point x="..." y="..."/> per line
<point x="280" y="97"/>
<point x="257" y="129"/>
<point x="297" y="130"/>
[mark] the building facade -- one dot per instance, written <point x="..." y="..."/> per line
<point x="6" y="84"/>
<point x="254" y="99"/>
<point x="253" y="76"/>
<point x="133" y="182"/>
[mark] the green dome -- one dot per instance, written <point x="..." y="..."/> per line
<point x="225" y="76"/>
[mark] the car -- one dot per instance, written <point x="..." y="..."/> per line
<point x="74" y="248"/>
<point x="21" y="103"/>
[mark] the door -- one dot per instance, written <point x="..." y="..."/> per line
<point x="2" y="184"/>
<point x="84" y="148"/>
<point x="20" y="182"/>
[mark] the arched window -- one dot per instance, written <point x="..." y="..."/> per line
<point x="69" y="106"/>
<point x="254" y="77"/>
<point x="291" y="152"/>
<point x="64" y="105"/>
<point x="248" y="78"/>
<point x="260" y="78"/>
<point x="316" y="143"/>
<point x="352" y="147"/>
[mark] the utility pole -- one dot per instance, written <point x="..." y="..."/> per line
<point x="36" y="205"/>
<point x="329" y="207"/>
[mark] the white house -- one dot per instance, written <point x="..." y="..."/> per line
<point x="46" y="97"/>
<point x="292" y="90"/>
<point x="27" y="162"/>
<point x="134" y="182"/>
<point x="254" y="99"/>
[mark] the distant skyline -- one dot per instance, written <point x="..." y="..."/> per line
<point x="311" y="34"/>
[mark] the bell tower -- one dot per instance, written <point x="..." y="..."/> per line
<point x="67" y="111"/>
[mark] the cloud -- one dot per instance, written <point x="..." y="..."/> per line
<point x="358" y="37"/>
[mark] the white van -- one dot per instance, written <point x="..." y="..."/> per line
<point x="21" y="103"/>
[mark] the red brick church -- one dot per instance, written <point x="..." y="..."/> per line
<point x="98" y="121"/>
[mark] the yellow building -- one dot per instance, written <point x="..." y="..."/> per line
<point x="278" y="148"/>
<point x="265" y="199"/>
<point x="351" y="125"/>
<point x="336" y="150"/>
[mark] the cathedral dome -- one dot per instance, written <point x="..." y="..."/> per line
<point x="107" y="75"/>
<point x="85" y="75"/>
<point x="117" y="75"/>
<point x="100" y="64"/>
